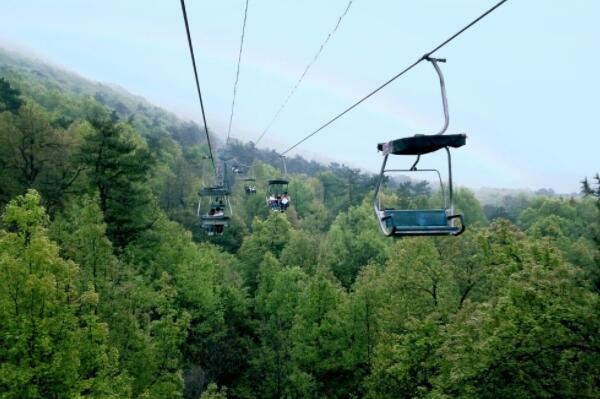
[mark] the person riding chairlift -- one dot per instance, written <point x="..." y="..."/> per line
<point x="219" y="227"/>
<point x="209" y="228"/>
<point x="284" y="202"/>
<point x="273" y="202"/>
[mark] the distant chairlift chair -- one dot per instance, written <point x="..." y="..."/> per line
<point x="215" y="198"/>
<point x="276" y="189"/>
<point x="249" y="185"/>
<point x="421" y="222"/>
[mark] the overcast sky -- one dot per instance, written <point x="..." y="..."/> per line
<point x="522" y="84"/>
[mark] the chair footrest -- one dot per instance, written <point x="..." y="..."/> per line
<point x="421" y="222"/>
<point x="451" y="231"/>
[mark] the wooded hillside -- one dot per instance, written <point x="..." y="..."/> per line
<point x="109" y="287"/>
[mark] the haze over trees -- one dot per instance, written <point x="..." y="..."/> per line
<point x="110" y="288"/>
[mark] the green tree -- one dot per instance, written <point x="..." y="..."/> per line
<point x="208" y="292"/>
<point x="301" y="250"/>
<point x="118" y="166"/>
<point x="547" y="207"/>
<point x="81" y="232"/>
<point x="10" y="98"/>
<point x="470" y="271"/>
<point x="404" y="363"/>
<point x="362" y="316"/>
<point x="465" y="202"/>
<point x="149" y="331"/>
<point x="270" y="235"/>
<point x="414" y="195"/>
<point x="33" y="154"/>
<point x="218" y="336"/>
<point x="322" y="340"/>
<point x="51" y="342"/>
<point x="417" y="283"/>
<point x="593" y="190"/>
<point x="535" y="340"/>
<point x="213" y="392"/>
<point x="276" y="305"/>
<point x="353" y="242"/>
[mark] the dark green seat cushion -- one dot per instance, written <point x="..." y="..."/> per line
<point x="422" y="144"/>
<point x="278" y="182"/>
<point x="214" y="220"/>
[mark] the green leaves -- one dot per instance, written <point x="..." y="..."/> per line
<point x="270" y="235"/>
<point x="118" y="167"/>
<point x="52" y="343"/>
<point x="353" y="242"/>
<point x="534" y="341"/>
<point x="115" y="293"/>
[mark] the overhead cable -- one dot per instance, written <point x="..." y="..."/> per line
<point x="237" y="74"/>
<point x="189" y="38"/>
<point x="303" y="75"/>
<point x="426" y="56"/>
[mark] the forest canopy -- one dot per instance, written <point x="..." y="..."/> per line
<point x="109" y="286"/>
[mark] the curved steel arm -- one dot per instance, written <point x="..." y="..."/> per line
<point x="462" y="223"/>
<point x="229" y="205"/>
<point x="434" y="62"/>
<point x="376" y="205"/>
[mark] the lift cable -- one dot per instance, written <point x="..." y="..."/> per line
<point x="237" y="74"/>
<point x="425" y="57"/>
<point x="304" y="73"/>
<point x="189" y="39"/>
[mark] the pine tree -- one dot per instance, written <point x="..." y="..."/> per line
<point x="118" y="165"/>
<point x="10" y="98"/>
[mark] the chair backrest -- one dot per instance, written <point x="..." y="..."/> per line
<point x="417" y="218"/>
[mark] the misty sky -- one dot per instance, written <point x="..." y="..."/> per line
<point x="522" y="84"/>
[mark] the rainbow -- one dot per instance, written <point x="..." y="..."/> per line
<point x="477" y="153"/>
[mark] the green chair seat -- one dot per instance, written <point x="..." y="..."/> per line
<point x="421" y="222"/>
<point x="214" y="220"/>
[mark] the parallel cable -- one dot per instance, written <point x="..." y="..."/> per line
<point x="303" y="75"/>
<point x="414" y="64"/>
<point x="189" y="38"/>
<point x="237" y="74"/>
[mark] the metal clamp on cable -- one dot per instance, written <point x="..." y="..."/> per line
<point x="427" y="57"/>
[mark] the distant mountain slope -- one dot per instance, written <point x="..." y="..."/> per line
<point x="44" y="83"/>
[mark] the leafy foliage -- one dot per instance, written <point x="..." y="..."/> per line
<point x="109" y="288"/>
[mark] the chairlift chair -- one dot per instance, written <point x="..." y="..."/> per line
<point x="237" y="169"/>
<point x="421" y="222"/>
<point x="217" y="198"/>
<point x="276" y="187"/>
<point x="249" y="185"/>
